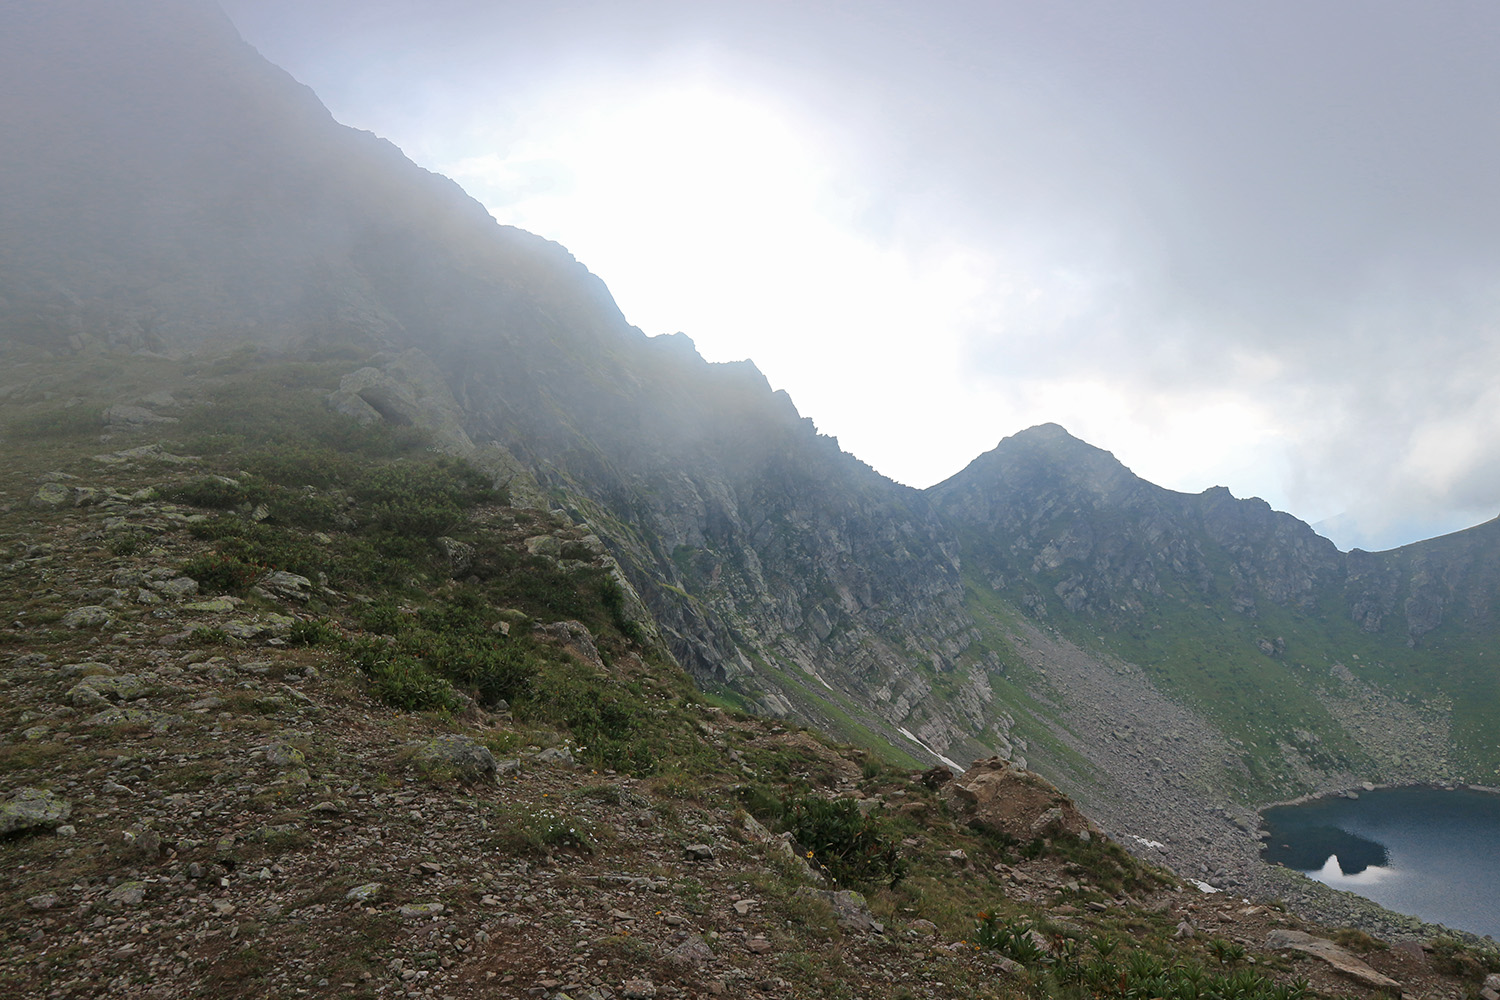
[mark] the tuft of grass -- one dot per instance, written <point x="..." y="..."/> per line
<point x="530" y="829"/>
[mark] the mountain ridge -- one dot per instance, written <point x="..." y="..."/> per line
<point x="784" y="574"/>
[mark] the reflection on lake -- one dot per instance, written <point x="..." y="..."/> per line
<point x="1430" y="853"/>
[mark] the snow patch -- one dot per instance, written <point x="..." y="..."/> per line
<point x="946" y="760"/>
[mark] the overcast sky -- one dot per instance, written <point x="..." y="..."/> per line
<point x="1244" y="244"/>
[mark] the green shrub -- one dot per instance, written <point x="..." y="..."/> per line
<point x="494" y="670"/>
<point x="1015" y="939"/>
<point x="1225" y="951"/>
<point x="212" y="492"/>
<point x="125" y="543"/>
<point x="850" y="846"/>
<point x="405" y="683"/>
<point x="223" y="572"/>
<point x="313" y="633"/>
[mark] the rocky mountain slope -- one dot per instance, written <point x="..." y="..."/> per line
<point x="1170" y="659"/>
<point x="220" y="777"/>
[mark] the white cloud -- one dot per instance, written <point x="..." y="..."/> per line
<point x="1248" y="245"/>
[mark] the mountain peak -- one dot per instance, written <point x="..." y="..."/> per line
<point x="1045" y="452"/>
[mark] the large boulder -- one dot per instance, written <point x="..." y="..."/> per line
<point x="408" y="390"/>
<point x="998" y="795"/>
<point x="32" y="809"/>
<point x="1340" y="959"/>
<point x="99" y="691"/>
<point x="462" y="756"/>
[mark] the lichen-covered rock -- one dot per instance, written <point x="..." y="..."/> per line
<point x="131" y="893"/>
<point x="285" y="755"/>
<point x="408" y="391"/>
<point x="180" y="586"/>
<point x="32" y="809"/>
<point x="87" y="617"/>
<point x="289" y="586"/>
<point x="99" y="690"/>
<point x="367" y="893"/>
<point x="50" y="495"/>
<point x="465" y="756"/>
<point x="119" y="716"/>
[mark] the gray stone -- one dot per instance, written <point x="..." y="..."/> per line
<point x="465" y="755"/>
<point x="460" y="555"/>
<point x="367" y="893"/>
<point x="409" y="391"/>
<point x="544" y="545"/>
<point x="131" y="893"/>
<point x="694" y="952"/>
<point x="99" y="691"/>
<point x="116" y="715"/>
<point x="555" y="755"/>
<point x="638" y="989"/>
<point x="152" y="452"/>
<point x="575" y="637"/>
<point x="52" y="495"/>
<point x="181" y="586"/>
<point x="698" y="852"/>
<point x="420" y="910"/>
<point x="285" y="755"/>
<point x="290" y="586"/>
<point x="32" y="809"/>
<point x="1339" y="959"/>
<point x="87" y="617"/>
<point x="45" y="901"/>
<point x="214" y="604"/>
<point x="849" y="908"/>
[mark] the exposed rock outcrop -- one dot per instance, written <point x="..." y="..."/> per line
<point x="997" y="795"/>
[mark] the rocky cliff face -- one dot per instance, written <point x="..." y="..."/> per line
<point x="167" y="190"/>
<point x="1045" y="509"/>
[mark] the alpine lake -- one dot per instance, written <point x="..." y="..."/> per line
<point x="1429" y="852"/>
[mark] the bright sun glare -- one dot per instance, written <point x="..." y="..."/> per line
<point x="687" y="195"/>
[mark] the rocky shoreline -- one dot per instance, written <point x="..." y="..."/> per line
<point x="1157" y="788"/>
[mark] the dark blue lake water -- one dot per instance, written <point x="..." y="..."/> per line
<point x="1433" y="854"/>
